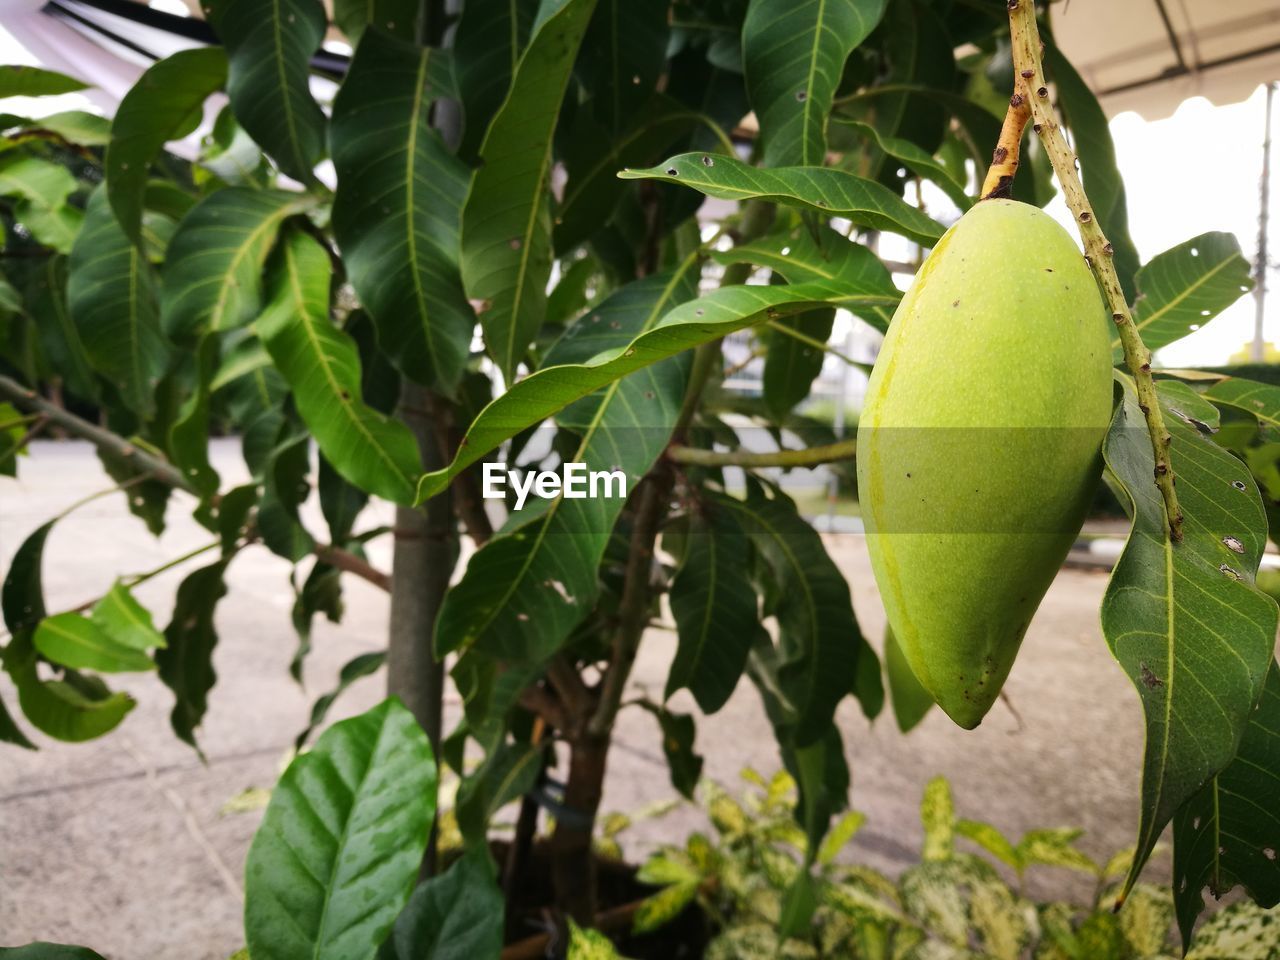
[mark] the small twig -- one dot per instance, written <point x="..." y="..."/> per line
<point x="1004" y="162"/>
<point x="349" y="562"/>
<point x="808" y="457"/>
<point x="741" y="365"/>
<point x="1098" y="252"/>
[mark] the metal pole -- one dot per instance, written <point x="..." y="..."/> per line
<point x="1264" y="217"/>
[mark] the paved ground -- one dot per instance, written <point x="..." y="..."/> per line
<point x="122" y="843"/>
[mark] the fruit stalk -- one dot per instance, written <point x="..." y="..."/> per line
<point x="1004" y="162"/>
<point x="1029" y="82"/>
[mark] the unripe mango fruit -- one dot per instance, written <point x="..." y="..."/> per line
<point x="979" y="445"/>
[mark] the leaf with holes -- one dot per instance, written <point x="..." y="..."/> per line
<point x="1185" y="287"/>
<point x="340" y="845"/>
<point x="830" y="192"/>
<point x="1186" y="621"/>
<point x="111" y="294"/>
<point x="553" y="387"/>
<point x="396" y="211"/>
<point x="212" y="277"/>
<point x="1229" y="833"/>
<point x="167" y="103"/>
<point x="506" y="221"/>
<point x="794" y="55"/>
<point x="322" y="367"/>
<point x="269" y="48"/>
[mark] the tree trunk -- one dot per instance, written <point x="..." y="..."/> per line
<point x="573" y="864"/>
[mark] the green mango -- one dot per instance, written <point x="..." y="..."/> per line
<point x="979" y="445"/>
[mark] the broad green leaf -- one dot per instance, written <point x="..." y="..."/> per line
<point x="285" y="487"/>
<point x="70" y="640"/>
<point x="24" y="81"/>
<point x="506" y="220"/>
<point x="1229" y="832"/>
<point x="111" y="296"/>
<point x="550" y="389"/>
<point x="77" y="127"/>
<point x="1261" y="400"/>
<point x="834" y="193"/>
<point x="75" y="708"/>
<point x="909" y="698"/>
<point x="678" y="735"/>
<point x="212" y="276"/>
<point x="269" y="48"/>
<point x="125" y="621"/>
<point x="1091" y="137"/>
<point x="167" y="103"/>
<point x="22" y="595"/>
<point x="46" y="301"/>
<point x="799" y="254"/>
<point x="590" y="945"/>
<point x="1185" y="620"/>
<point x="340" y="845"/>
<point x="41" y="189"/>
<point x="791" y="364"/>
<point x="993" y="841"/>
<point x="322" y="366"/>
<point x="457" y="915"/>
<point x="524" y="591"/>
<point x="823" y="653"/>
<point x="186" y="661"/>
<point x="840" y="835"/>
<point x="1054" y="848"/>
<point x="938" y="815"/>
<point x="918" y="161"/>
<point x="340" y="502"/>
<point x="397" y="17"/>
<point x="623" y="55"/>
<point x="592" y="159"/>
<point x="508" y="773"/>
<point x="486" y="51"/>
<point x="396" y="212"/>
<point x="715" y="609"/>
<point x="659" y="909"/>
<point x="354" y="669"/>
<point x="1185" y="287"/>
<point x="794" y="54"/>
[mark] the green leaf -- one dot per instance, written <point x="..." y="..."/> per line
<point x="74" y="641"/>
<point x="1054" y="848"/>
<point x="590" y="945"/>
<point x="508" y="773"/>
<point x="398" y="17"/>
<point x="910" y="700"/>
<point x="678" y="735"/>
<point x="1091" y="137"/>
<point x="212" y="277"/>
<point x="397" y="209"/>
<point x="269" y="48"/>
<point x="991" y="840"/>
<point x="525" y="590"/>
<point x="659" y="909"/>
<point x="340" y="845"/>
<point x="917" y="160"/>
<point x="623" y="55"/>
<point x="798" y="905"/>
<point x="1229" y="832"/>
<point x="186" y="662"/>
<point x="486" y="52"/>
<point x="1185" y="287"/>
<point x="715" y="609"/>
<point x="74" y="709"/>
<point x="22" y="595"/>
<point x="833" y="193"/>
<point x="824" y="655"/>
<point x="1261" y="400"/>
<point x="354" y="669"/>
<point x="41" y="189"/>
<point x="506" y="221"/>
<point x="24" y="81"/>
<point x="794" y="54"/>
<point x="839" y="837"/>
<point x="322" y="367"/>
<point x="791" y="365"/>
<point x="124" y="620"/>
<point x="550" y="389"/>
<point x="285" y="488"/>
<point x="48" y="951"/>
<point x="167" y="103"/>
<point x="938" y="815"/>
<point x="59" y="339"/>
<point x="10" y="732"/>
<point x="189" y="435"/>
<point x="111" y="296"/>
<point x="457" y="915"/>
<point x="1185" y="620"/>
<point x="1242" y="931"/>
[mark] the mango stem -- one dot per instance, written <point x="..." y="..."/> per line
<point x="1029" y="82"/>
<point x="1004" y="162"/>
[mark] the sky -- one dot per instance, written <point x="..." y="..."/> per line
<point x="1195" y="171"/>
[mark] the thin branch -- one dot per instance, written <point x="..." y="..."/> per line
<point x="1098" y="252"/>
<point x="348" y="562"/>
<point x="817" y="344"/>
<point x="808" y="457"/>
<point x="1004" y="162"/>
